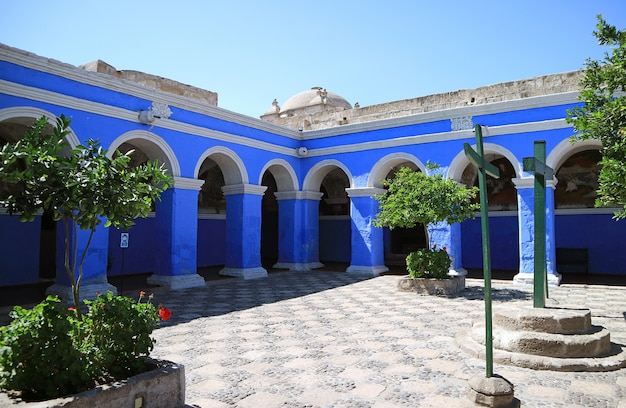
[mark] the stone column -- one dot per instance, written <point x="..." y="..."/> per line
<point x="444" y="235"/>
<point x="368" y="252"/>
<point x="243" y="231"/>
<point x="298" y="230"/>
<point x="94" y="279"/>
<point x="526" y="219"/>
<point x="177" y="236"/>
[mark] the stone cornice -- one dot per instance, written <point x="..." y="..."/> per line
<point x="529" y="182"/>
<point x="243" y="189"/>
<point x="365" y="191"/>
<point x="298" y="195"/>
<point x="188" y="183"/>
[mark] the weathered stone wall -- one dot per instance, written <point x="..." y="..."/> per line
<point x="153" y="81"/>
<point x="506" y="91"/>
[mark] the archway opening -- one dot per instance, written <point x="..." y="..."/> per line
<point x="578" y="180"/>
<point x="501" y="192"/>
<point x="403" y="241"/>
<point x="503" y="220"/>
<point x="269" y="222"/>
<point x="335" y="233"/>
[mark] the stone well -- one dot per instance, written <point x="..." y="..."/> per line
<point x="557" y="339"/>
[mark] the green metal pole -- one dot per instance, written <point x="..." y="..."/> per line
<point x="540" y="277"/>
<point x="484" y="220"/>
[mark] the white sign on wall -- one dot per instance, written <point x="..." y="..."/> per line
<point x="124" y="240"/>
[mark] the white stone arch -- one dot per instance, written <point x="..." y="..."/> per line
<point x="232" y="167"/>
<point x="566" y="149"/>
<point x="152" y="145"/>
<point x="384" y="165"/>
<point x="315" y="176"/>
<point x="16" y="113"/>
<point x="460" y="161"/>
<point x="284" y="174"/>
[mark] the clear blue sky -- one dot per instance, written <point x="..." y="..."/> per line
<point x="370" y="52"/>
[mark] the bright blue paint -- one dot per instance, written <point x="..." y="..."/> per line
<point x="603" y="236"/>
<point x="176" y="232"/>
<point x="139" y="256"/>
<point x="367" y="240"/>
<point x="503" y="232"/>
<point x="19" y="260"/>
<point x="243" y="231"/>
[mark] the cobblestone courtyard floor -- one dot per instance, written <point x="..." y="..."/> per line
<point x="329" y="339"/>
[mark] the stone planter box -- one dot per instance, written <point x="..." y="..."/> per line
<point x="429" y="286"/>
<point x="162" y="387"/>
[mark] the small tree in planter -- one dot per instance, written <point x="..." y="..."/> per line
<point x="82" y="187"/>
<point x="415" y="198"/>
<point x="53" y="350"/>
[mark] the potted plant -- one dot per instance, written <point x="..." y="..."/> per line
<point x="414" y="198"/>
<point x="52" y="350"/>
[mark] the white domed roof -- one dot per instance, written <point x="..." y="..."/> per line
<point x="315" y="96"/>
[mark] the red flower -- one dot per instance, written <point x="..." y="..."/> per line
<point x="165" y="313"/>
<point x="142" y="293"/>
<point x="444" y="248"/>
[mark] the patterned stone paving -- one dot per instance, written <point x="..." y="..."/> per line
<point x="329" y="339"/>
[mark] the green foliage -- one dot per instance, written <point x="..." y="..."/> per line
<point x="117" y="334"/>
<point x="47" y="352"/>
<point x="414" y="198"/>
<point x="427" y="263"/>
<point x="38" y="354"/>
<point x="80" y="186"/>
<point x="603" y="115"/>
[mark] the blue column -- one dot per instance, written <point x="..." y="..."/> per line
<point x="368" y="252"/>
<point x="94" y="279"/>
<point x="298" y="230"/>
<point x="243" y="231"/>
<point x="526" y="219"/>
<point x="177" y="236"/>
<point x="444" y="235"/>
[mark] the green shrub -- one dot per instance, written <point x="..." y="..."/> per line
<point x="427" y="263"/>
<point x="38" y="353"/>
<point x="117" y="334"/>
<point x="51" y="350"/>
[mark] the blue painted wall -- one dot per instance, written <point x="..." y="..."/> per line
<point x="503" y="235"/>
<point x="603" y="236"/>
<point x="140" y="255"/>
<point x="19" y="258"/>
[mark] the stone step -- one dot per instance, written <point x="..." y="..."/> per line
<point x="543" y="320"/>
<point x="595" y="343"/>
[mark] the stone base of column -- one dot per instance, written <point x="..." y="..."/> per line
<point x="366" y="270"/>
<point x="88" y="291"/>
<point x="458" y="272"/>
<point x="528" y="279"/>
<point x="298" y="266"/>
<point x="192" y="280"/>
<point x="245" y="273"/>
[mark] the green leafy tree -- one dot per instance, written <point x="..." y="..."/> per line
<point x="82" y="187"/>
<point x="415" y="198"/>
<point x="603" y="115"/>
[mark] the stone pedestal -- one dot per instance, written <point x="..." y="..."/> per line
<point x="556" y="339"/>
<point x="494" y="391"/>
